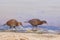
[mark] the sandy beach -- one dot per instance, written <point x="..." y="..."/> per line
<point x="27" y="36"/>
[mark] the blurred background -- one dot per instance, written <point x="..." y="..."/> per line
<point x="24" y="10"/>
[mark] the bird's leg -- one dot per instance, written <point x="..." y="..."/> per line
<point x="14" y="27"/>
<point x="10" y="27"/>
<point x="35" y="28"/>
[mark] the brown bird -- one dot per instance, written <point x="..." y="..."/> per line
<point x="13" y="23"/>
<point x="36" y="22"/>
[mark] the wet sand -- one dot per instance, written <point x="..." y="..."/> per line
<point x="27" y="36"/>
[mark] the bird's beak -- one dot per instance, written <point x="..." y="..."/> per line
<point x="21" y="25"/>
<point x="25" y="21"/>
<point x="47" y="23"/>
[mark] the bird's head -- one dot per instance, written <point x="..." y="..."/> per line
<point x="45" y="22"/>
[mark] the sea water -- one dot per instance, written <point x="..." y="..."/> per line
<point x="29" y="27"/>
